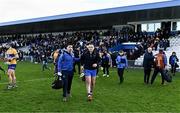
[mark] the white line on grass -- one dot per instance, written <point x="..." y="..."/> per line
<point x="29" y="80"/>
<point x="32" y="80"/>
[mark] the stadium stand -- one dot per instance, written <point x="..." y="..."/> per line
<point x="174" y="45"/>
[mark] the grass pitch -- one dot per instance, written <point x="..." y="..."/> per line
<point x="34" y="93"/>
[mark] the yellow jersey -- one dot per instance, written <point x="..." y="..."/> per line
<point x="10" y="55"/>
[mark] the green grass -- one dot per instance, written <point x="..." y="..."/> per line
<point x="34" y="93"/>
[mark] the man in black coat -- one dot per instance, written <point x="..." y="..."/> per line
<point x="147" y="64"/>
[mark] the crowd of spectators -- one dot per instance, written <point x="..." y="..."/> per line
<point x="46" y="43"/>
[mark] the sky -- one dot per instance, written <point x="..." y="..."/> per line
<point x="12" y="10"/>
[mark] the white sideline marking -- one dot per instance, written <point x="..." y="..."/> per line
<point x="42" y="79"/>
<point x="29" y="80"/>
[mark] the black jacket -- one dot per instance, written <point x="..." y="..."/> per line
<point x="148" y="60"/>
<point x="105" y="60"/>
<point x="87" y="60"/>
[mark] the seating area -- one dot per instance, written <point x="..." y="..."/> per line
<point x="174" y="47"/>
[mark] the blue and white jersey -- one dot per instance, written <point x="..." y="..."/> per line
<point x="121" y="61"/>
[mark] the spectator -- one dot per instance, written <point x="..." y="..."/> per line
<point x="173" y="62"/>
<point x="147" y="64"/>
<point x="160" y="65"/>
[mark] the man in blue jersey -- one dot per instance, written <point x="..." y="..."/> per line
<point x="122" y="63"/>
<point x="65" y="70"/>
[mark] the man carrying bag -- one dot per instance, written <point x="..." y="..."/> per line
<point x="65" y="70"/>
